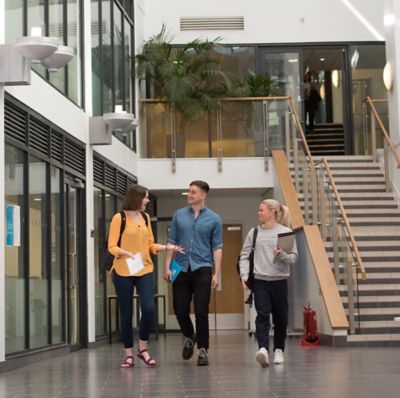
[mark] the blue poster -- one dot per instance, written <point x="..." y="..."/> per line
<point x="10" y="225"/>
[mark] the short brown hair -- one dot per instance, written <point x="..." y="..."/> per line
<point x="201" y="184"/>
<point x="133" y="198"/>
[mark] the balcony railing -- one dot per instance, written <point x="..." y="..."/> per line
<point x="238" y="127"/>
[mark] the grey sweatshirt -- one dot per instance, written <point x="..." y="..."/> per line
<point x="267" y="266"/>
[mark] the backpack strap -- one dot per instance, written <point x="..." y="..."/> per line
<point x="145" y="216"/>
<point x="122" y="227"/>
<point x="251" y="265"/>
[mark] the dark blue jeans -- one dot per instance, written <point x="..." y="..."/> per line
<point x="271" y="297"/>
<point x="145" y="289"/>
<point x="196" y="284"/>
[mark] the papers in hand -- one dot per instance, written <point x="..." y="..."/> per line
<point x="175" y="269"/>
<point x="286" y="241"/>
<point x="135" y="264"/>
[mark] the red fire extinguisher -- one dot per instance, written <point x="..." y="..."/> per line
<point x="310" y="335"/>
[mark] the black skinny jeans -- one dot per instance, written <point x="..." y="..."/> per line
<point x="196" y="284"/>
<point x="271" y="297"/>
<point x="145" y="289"/>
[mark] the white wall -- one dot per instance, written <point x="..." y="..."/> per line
<point x="284" y="21"/>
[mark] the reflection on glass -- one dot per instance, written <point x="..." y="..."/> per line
<point x="56" y="29"/>
<point x="118" y="58"/>
<point x="36" y="17"/>
<point x="38" y="278"/>
<point x="96" y="58"/>
<point x="128" y="66"/>
<point x="14" y="20"/>
<point x="100" y="275"/>
<point x="57" y="310"/>
<point x="14" y="259"/>
<point x="366" y="81"/>
<point x="106" y="60"/>
<point x="74" y="66"/>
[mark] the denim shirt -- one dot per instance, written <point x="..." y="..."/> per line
<point x="199" y="237"/>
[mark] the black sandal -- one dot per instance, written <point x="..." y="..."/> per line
<point x="128" y="364"/>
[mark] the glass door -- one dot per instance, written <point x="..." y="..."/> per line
<point x="74" y="271"/>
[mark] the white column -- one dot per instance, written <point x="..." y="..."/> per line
<point x="91" y="283"/>
<point x="392" y="37"/>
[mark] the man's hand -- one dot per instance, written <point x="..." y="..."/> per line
<point x="167" y="275"/>
<point x="214" y="281"/>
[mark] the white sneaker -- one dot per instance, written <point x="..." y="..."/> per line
<point x="262" y="357"/>
<point x="278" y="356"/>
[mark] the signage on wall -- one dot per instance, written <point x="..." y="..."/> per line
<point x="13" y="225"/>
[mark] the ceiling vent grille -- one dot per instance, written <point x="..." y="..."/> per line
<point x="212" y="23"/>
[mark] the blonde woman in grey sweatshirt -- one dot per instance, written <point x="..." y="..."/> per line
<point x="271" y="271"/>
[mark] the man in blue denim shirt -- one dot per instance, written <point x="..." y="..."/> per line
<point x="198" y="230"/>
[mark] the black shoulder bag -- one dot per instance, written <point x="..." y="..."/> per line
<point x="107" y="258"/>
<point x="250" y="279"/>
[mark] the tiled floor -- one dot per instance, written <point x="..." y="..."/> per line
<point x="233" y="372"/>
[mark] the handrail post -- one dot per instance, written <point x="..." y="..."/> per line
<point x="265" y="133"/>
<point x="288" y="126"/>
<point x="296" y="164"/>
<point x="350" y="295"/>
<point x="321" y="206"/>
<point x="335" y="245"/>
<point x="173" y="138"/>
<point x="219" y="136"/>
<point x="306" y="195"/>
<point x="373" y="137"/>
<point x="314" y="196"/>
<point x="388" y="186"/>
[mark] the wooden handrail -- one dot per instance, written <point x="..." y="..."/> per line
<point x="384" y="132"/>
<point x="223" y="99"/>
<point x="345" y="219"/>
<point x="302" y="135"/>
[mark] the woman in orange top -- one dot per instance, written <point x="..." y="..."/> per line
<point x="132" y="267"/>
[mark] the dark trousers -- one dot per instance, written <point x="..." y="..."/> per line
<point x="271" y="297"/>
<point x="124" y="286"/>
<point x="311" y="118"/>
<point x="196" y="284"/>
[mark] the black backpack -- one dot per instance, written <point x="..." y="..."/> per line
<point x="107" y="258"/>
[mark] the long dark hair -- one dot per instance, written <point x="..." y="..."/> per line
<point x="133" y="198"/>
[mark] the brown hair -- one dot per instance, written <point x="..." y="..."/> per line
<point x="282" y="214"/>
<point x="201" y="184"/>
<point x="133" y="198"/>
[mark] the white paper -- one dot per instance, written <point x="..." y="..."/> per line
<point x="135" y="264"/>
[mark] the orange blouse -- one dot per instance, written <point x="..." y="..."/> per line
<point x="137" y="237"/>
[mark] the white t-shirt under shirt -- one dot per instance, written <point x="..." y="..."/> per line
<point x="266" y="265"/>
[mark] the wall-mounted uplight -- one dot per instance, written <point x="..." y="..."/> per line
<point x="335" y="78"/>
<point x="322" y="59"/>
<point x="16" y="59"/>
<point x="388" y="76"/>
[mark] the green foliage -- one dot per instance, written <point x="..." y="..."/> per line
<point x="253" y="86"/>
<point x="184" y="77"/>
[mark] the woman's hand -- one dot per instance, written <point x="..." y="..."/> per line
<point x="277" y="251"/>
<point x="244" y="280"/>
<point x="175" y="248"/>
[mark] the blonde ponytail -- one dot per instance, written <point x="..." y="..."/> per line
<point x="282" y="214"/>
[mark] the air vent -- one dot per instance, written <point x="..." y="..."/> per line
<point x="131" y="182"/>
<point x="212" y="23"/>
<point x="98" y="171"/>
<point x="15" y="123"/>
<point x="74" y="156"/>
<point x="121" y="183"/>
<point x="110" y="178"/>
<point x="38" y="136"/>
<point x="56" y="146"/>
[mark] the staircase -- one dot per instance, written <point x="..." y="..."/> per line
<point x="374" y="217"/>
<point x="326" y="139"/>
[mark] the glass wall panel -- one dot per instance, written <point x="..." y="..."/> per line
<point x="107" y="60"/>
<point x="96" y="58"/>
<point x="57" y="289"/>
<point x="100" y="275"/>
<point x="75" y="78"/>
<point x="14" y="20"/>
<point x="367" y="62"/>
<point x="36" y="18"/>
<point x="118" y="58"/>
<point x="14" y="253"/>
<point x="38" y="276"/>
<point x="56" y="29"/>
<point x="129" y="81"/>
